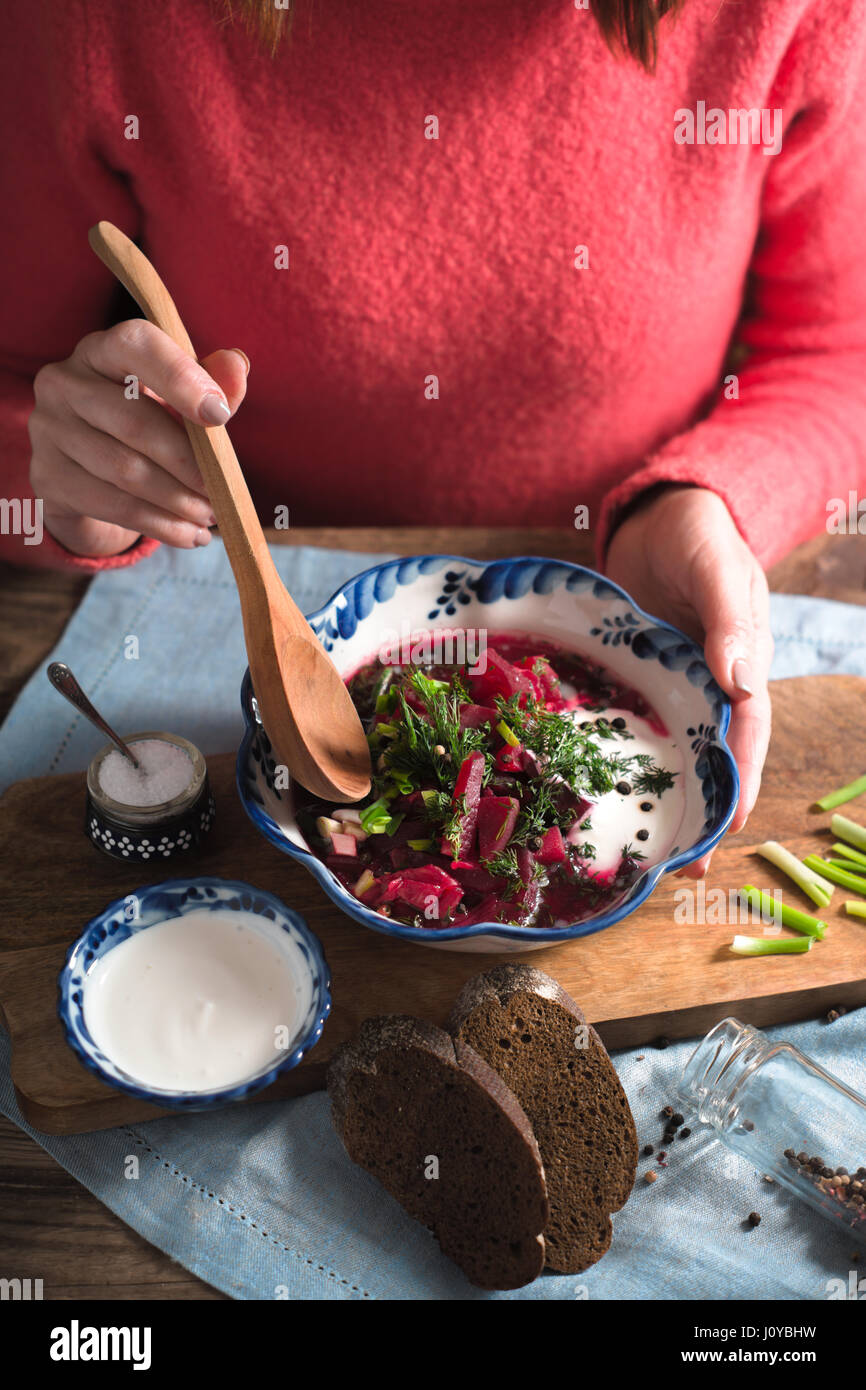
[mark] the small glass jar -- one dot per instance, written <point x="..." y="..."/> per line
<point x="789" y="1117"/>
<point x="158" y="831"/>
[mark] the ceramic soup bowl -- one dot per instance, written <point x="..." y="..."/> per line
<point x="563" y="603"/>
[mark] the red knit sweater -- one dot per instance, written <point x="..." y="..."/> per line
<point x="563" y="379"/>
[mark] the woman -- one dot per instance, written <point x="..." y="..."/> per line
<point x="487" y="271"/>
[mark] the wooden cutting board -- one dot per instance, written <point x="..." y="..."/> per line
<point x="647" y="977"/>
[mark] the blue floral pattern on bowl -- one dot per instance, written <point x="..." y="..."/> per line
<point x="564" y="603"/>
<point x="146" y="908"/>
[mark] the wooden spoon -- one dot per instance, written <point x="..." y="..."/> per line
<point x="304" y="705"/>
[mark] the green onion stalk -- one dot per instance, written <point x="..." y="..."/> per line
<point x="781" y="913"/>
<point x="771" y="945"/>
<point x="813" y="883"/>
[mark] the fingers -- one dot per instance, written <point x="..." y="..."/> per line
<point x="141" y="423"/>
<point x="128" y="471"/>
<point x="136" y="348"/>
<point x="229" y="368"/>
<point x="730" y="598"/>
<point x="131" y="446"/>
<point x="89" y="502"/>
<point x="748" y="739"/>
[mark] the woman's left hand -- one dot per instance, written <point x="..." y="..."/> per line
<point x="681" y="557"/>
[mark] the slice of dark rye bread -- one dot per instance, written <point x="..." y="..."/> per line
<point x="404" y="1092"/>
<point x="525" y="1026"/>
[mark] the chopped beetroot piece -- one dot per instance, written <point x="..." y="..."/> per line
<point x="469" y="779"/>
<point x="409" y="830"/>
<point x="527" y="902"/>
<point x="545" y="678"/>
<point x="405" y="803"/>
<point x="427" y="888"/>
<point x="474" y="716"/>
<point x="467" y="794"/>
<point x="486" y="911"/>
<point x="462" y="849"/>
<point x="399" y="857"/>
<point x="474" y="879"/>
<point x="373" y="895"/>
<point x="497" y="817"/>
<point x="552" y="847"/>
<point x="509" y="759"/>
<point x="575" y="807"/>
<point x="500" y="678"/>
<point x="525" y="864"/>
<point x="346" y="845"/>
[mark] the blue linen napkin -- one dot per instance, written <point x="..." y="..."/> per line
<point x="261" y="1201"/>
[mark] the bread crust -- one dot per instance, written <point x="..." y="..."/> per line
<point x="502" y="1253"/>
<point x="576" y="1187"/>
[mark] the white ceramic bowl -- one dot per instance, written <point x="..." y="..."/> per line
<point x="566" y="604"/>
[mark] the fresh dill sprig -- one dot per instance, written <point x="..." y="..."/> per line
<point x="653" y="780"/>
<point x="414" y="753"/>
<point x="503" y="864"/>
<point x="629" y="852"/>
<point x="564" y="750"/>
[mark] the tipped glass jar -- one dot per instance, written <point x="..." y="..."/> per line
<point x="163" y="808"/>
<point x="784" y="1113"/>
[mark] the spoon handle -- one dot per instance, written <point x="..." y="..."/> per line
<point x="239" y="525"/>
<point x="63" y="680"/>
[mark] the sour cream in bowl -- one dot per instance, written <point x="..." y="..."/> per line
<point x="194" y="993"/>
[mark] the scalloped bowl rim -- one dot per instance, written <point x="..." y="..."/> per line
<point x="190" y="1100"/>
<point x="643" y="886"/>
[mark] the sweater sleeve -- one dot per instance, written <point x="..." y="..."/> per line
<point x="795" y="436"/>
<point x="53" y="186"/>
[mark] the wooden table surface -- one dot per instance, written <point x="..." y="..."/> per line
<point x="51" y="1228"/>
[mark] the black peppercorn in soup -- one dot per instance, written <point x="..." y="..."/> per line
<point x="531" y="788"/>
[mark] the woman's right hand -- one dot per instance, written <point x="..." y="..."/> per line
<point x="110" y="469"/>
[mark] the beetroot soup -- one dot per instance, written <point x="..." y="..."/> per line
<point x="531" y="788"/>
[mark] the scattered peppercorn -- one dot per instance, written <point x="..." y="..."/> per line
<point x="677" y="1119"/>
<point x="623" y="788"/>
<point x="747" y="1124"/>
<point x="754" y="1219"/>
<point x="684" y="1133"/>
<point x="646" y="805"/>
<point x="642" y="835"/>
<point x="650" y="1176"/>
<point x="832" y="1015"/>
<point x="647" y="1150"/>
<point x="662" y="1043"/>
<point x="668" y="1111"/>
<point x="618" y="723"/>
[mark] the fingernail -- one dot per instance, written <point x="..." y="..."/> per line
<point x="202" y="537"/>
<point x="213" y="409"/>
<point x="741" y="675"/>
<point x="240" y="352"/>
